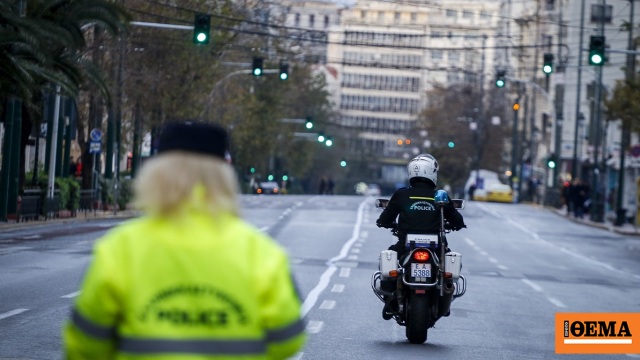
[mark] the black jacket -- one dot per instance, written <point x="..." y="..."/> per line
<point x="416" y="211"/>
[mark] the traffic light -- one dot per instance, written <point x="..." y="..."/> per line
<point x="270" y="177"/>
<point x="284" y="70"/>
<point x="451" y="144"/>
<point x="285" y="177"/>
<point x="596" y="50"/>
<point x="516" y="105"/>
<point x="552" y="161"/>
<point x="309" y="123"/>
<point x="321" y="137"/>
<point x="343" y="163"/>
<point x="252" y="170"/>
<point x="328" y="142"/>
<point x="257" y="65"/>
<point x="500" y="81"/>
<point x="547" y="64"/>
<point x="201" y="29"/>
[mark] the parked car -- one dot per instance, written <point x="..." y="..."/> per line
<point x="268" y="187"/>
<point x="500" y="193"/>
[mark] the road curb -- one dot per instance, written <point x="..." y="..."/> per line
<point x="605" y="226"/>
<point x="126" y="214"/>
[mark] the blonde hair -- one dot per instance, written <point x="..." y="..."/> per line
<point x="166" y="183"/>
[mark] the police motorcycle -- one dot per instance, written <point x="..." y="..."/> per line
<point x="428" y="279"/>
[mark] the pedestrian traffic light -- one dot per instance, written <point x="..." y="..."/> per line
<point x="343" y="163"/>
<point x="309" y="123"/>
<point x="596" y="50"/>
<point x="284" y="70"/>
<point x="500" y="81"/>
<point x="257" y="65"/>
<point x="551" y="161"/>
<point x="201" y="29"/>
<point x="547" y="64"/>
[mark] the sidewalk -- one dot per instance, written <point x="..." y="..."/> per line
<point x="625" y="229"/>
<point x="80" y="217"/>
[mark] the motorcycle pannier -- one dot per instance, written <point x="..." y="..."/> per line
<point x="388" y="262"/>
<point x="453" y="264"/>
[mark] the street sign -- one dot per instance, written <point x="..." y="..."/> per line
<point x="94" y="147"/>
<point x="96" y="134"/>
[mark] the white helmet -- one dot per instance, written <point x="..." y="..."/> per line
<point x="423" y="166"/>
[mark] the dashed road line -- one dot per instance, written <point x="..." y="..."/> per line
<point x="328" y="304"/>
<point x="345" y="272"/>
<point x="556" y="302"/>
<point x="531" y="284"/>
<point x="314" y="327"/>
<point x="72" y="295"/>
<point x="11" y="313"/>
<point x="337" y="288"/>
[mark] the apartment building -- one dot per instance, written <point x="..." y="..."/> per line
<point x="388" y="55"/>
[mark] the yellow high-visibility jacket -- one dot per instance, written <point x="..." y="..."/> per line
<point x="187" y="287"/>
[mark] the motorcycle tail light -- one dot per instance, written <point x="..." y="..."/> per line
<point x="421" y="255"/>
<point x="393" y="273"/>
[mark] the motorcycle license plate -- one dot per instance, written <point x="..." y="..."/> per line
<point x="422" y="238"/>
<point x="420" y="270"/>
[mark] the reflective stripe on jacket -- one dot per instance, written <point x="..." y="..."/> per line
<point x="192" y="287"/>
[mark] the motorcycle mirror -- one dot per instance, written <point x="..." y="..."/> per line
<point x="458" y="203"/>
<point x="382" y="203"/>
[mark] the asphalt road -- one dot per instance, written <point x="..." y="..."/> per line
<point x="523" y="265"/>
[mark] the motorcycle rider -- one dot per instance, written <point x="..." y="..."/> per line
<point x="416" y="212"/>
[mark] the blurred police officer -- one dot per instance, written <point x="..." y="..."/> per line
<point x="190" y="279"/>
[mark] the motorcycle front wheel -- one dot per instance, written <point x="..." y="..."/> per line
<point x="417" y="318"/>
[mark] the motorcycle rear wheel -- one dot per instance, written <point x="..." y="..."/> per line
<point x="417" y="318"/>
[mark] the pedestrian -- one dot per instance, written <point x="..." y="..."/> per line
<point x="330" y="186"/>
<point x="578" y="195"/>
<point x="190" y="278"/>
<point x="323" y="185"/>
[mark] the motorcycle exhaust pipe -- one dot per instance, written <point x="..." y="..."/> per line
<point x="446" y="299"/>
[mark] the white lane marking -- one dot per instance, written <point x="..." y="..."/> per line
<point x="345" y="272"/>
<point x="364" y="234"/>
<point x="72" y="295"/>
<point x="328" y="304"/>
<point x="353" y="257"/>
<point x="11" y="313"/>
<point x="533" y="285"/>
<point x="493" y="260"/>
<point x="323" y="282"/>
<point x="337" y="288"/>
<point x="355" y="251"/>
<point x="264" y="228"/>
<point x="556" y="302"/>
<point x="29" y="237"/>
<point x="633" y="355"/>
<point x="469" y="241"/>
<point x="358" y="244"/>
<point x="484" y="253"/>
<point x="314" y="326"/>
<point x="502" y="267"/>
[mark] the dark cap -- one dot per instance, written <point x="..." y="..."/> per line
<point x="194" y="136"/>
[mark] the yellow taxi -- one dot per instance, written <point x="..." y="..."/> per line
<point x="499" y="193"/>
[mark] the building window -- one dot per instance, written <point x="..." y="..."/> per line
<point x="467" y="14"/>
<point x="437" y="54"/>
<point x="414" y="18"/>
<point x="326" y="21"/>
<point x="452" y="13"/>
<point x="312" y="20"/>
<point x="297" y="20"/>
<point x="453" y="55"/>
<point x="397" y="17"/>
<point x="363" y="14"/>
<point x="381" y="16"/>
<point x="484" y="15"/>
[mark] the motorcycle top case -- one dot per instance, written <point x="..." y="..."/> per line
<point x="453" y="264"/>
<point x="429" y="241"/>
<point x="388" y="262"/>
